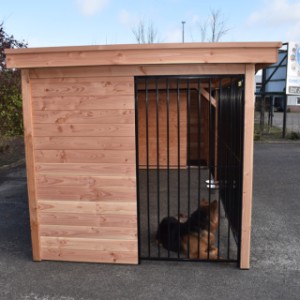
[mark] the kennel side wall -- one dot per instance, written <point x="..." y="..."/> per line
<point x="83" y="156"/>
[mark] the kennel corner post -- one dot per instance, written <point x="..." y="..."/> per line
<point x="247" y="166"/>
<point x="30" y="168"/>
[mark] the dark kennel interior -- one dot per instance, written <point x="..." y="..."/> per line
<point x="189" y="139"/>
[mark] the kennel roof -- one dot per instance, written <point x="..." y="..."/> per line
<point x="259" y="53"/>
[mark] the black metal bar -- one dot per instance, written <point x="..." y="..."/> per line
<point x="240" y="191"/>
<point x="190" y="260"/>
<point x="284" y="117"/>
<point x="199" y="157"/>
<point x="168" y="155"/>
<point x="189" y="158"/>
<point x="147" y="160"/>
<point x="178" y="160"/>
<point x="285" y="101"/>
<point x="137" y="166"/>
<point x="157" y="161"/>
<point x="209" y="162"/>
<point x="220" y="146"/>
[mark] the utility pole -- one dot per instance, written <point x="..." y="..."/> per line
<point x="183" y="22"/>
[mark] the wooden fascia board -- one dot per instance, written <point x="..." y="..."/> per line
<point x="155" y="54"/>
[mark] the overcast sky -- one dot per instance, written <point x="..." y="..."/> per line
<point x="92" y="22"/>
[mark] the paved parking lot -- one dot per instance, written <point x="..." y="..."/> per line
<point x="275" y="272"/>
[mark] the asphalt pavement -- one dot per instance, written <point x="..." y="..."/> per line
<point x="275" y="251"/>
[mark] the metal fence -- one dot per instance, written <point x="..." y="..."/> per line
<point x="189" y="140"/>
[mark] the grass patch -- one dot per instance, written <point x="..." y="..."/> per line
<point x="269" y="133"/>
<point x="11" y="149"/>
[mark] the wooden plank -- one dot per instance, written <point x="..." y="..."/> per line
<point x="83" y="102"/>
<point x="104" y="193"/>
<point x="247" y="167"/>
<point x="82" y="86"/>
<point x="145" y="47"/>
<point x="138" y="70"/>
<point x="103" y="116"/>
<point x="71" y="219"/>
<point x="57" y="181"/>
<point x="84" y="143"/>
<point x="85" y="156"/>
<point x="145" y="54"/>
<point x="125" y="257"/>
<point x="208" y="97"/>
<point x="88" y="244"/>
<point x="86" y="169"/>
<point x="30" y="166"/>
<point x="160" y="144"/>
<point x="87" y="130"/>
<point x="96" y="208"/>
<point x="89" y="232"/>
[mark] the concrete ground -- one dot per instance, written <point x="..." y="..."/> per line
<point x="275" y="263"/>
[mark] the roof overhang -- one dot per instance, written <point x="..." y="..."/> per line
<point x="258" y="53"/>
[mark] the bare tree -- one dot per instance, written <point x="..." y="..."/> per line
<point x="215" y="27"/>
<point x="145" y="34"/>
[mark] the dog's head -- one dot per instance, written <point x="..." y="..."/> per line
<point x="206" y="214"/>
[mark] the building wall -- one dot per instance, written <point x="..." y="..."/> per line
<point x="294" y="103"/>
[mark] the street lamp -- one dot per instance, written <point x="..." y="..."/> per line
<point x="183" y="22"/>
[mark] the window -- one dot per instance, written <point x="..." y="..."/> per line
<point x="298" y="101"/>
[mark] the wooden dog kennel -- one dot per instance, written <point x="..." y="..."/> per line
<point x="80" y="135"/>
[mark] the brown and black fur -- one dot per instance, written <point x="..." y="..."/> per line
<point x="193" y="233"/>
<point x="200" y="244"/>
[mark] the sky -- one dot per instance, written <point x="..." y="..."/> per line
<point x="43" y="23"/>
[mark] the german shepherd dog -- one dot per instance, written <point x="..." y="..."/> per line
<point x="193" y="234"/>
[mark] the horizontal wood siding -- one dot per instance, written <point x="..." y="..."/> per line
<point x="162" y="140"/>
<point x="84" y="149"/>
<point x="194" y="129"/>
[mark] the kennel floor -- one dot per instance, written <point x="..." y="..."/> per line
<point x="168" y="192"/>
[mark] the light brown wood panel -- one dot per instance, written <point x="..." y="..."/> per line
<point x="30" y="166"/>
<point x="83" y="102"/>
<point x="247" y="167"/>
<point x="103" y="116"/>
<point x="125" y="257"/>
<point x="85" y="156"/>
<point x="188" y="53"/>
<point x="87" y="194"/>
<point x="152" y="128"/>
<point x="57" y="181"/>
<point x="86" y="130"/>
<point x="84" y="143"/>
<point x="89" y="232"/>
<point x="82" y="86"/>
<point x="86" y="169"/>
<point x="80" y="207"/>
<point x="138" y="70"/>
<point x="194" y="129"/>
<point x="88" y="244"/>
<point x="71" y="219"/>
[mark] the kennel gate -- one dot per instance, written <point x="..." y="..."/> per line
<point x="189" y="139"/>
